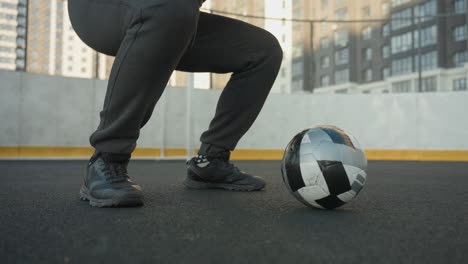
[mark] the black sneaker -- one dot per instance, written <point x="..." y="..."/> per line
<point x="220" y="174"/>
<point x="107" y="184"/>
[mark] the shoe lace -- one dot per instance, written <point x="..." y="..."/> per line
<point x="232" y="166"/>
<point x="115" y="172"/>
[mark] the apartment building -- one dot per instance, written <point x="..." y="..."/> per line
<point x="13" y="25"/>
<point x="282" y="30"/>
<point x="54" y="48"/>
<point x="302" y="62"/>
<point x="365" y="52"/>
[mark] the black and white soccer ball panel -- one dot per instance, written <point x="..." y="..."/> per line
<point x="324" y="167"/>
<point x="312" y="174"/>
<point x="313" y="192"/>
<point x="322" y="147"/>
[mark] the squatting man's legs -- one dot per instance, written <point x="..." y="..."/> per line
<point x="150" y="39"/>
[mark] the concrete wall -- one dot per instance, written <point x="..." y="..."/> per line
<point x="42" y="110"/>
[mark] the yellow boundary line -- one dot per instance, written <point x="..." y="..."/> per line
<point x="240" y="154"/>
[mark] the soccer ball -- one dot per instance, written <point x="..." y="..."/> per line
<point x="324" y="167"/>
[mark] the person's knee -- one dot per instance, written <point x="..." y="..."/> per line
<point x="270" y="47"/>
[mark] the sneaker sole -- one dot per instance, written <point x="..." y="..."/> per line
<point x="119" y="202"/>
<point x="192" y="184"/>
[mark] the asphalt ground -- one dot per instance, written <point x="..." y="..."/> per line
<point x="408" y="212"/>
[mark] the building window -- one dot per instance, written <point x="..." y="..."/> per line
<point x="366" y="11"/>
<point x="7" y="27"/>
<point x="401" y="87"/>
<point x="367" y="33"/>
<point x="385" y="73"/>
<point x="459" y="84"/>
<point x="21" y="42"/>
<point x="21" y="31"/>
<point x="297" y="51"/>
<point x="7" y="60"/>
<point x="396" y="3"/>
<point x="460" y="58"/>
<point x="325" y="62"/>
<point x="402" y="43"/>
<point x="428" y="8"/>
<point x="297" y="68"/>
<point x="429" y="84"/>
<point x="324" y="80"/>
<point x="402" y="66"/>
<point x="459" y="6"/>
<point x="7" y="49"/>
<point x="342" y="13"/>
<point x="297" y="12"/>
<point x="367" y="75"/>
<point x="460" y="33"/>
<point x="20" y="53"/>
<point x="22" y="21"/>
<point x="324" y="26"/>
<point x="8" y="5"/>
<point x="22" y="11"/>
<point x="297" y="85"/>
<point x="386" y="30"/>
<point x="341" y="76"/>
<point x="367" y="54"/>
<point x="342" y="37"/>
<point x="428" y="36"/>
<point x="428" y="61"/>
<point x="20" y="63"/>
<point x="324" y="4"/>
<point x="342" y="56"/>
<point x="386" y="51"/>
<point x="385" y="8"/>
<point x="325" y="43"/>
<point x="402" y="19"/>
<point x="7" y="16"/>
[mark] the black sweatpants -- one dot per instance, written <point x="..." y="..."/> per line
<point x="152" y="38"/>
